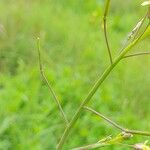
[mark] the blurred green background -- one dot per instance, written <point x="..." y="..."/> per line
<point x="74" y="56"/>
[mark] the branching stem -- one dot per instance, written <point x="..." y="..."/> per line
<point x="100" y="145"/>
<point x="48" y="84"/>
<point x="109" y="141"/>
<point x="105" y="118"/>
<point x="105" y="29"/>
<point x="116" y="125"/>
<point x="137" y="54"/>
<point x="91" y="146"/>
<point x="100" y="80"/>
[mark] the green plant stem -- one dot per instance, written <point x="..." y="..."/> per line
<point x="111" y="141"/>
<point x="137" y="54"/>
<point x="100" y="145"/>
<point x="105" y="118"/>
<point x="116" y="125"/>
<point x="91" y="146"/>
<point x="48" y="84"/>
<point x="105" y="29"/>
<point x="100" y="80"/>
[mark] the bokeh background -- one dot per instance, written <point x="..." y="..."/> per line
<point x="74" y="56"/>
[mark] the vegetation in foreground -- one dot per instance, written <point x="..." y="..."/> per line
<point x="74" y="55"/>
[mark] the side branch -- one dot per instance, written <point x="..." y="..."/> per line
<point x="95" y="87"/>
<point x="100" y="145"/>
<point x="137" y="54"/>
<point x="108" y="141"/>
<point x="105" y="118"/>
<point x="91" y="146"/>
<point x="105" y="29"/>
<point x="116" y="125"/>
<point x="48" y="84"/>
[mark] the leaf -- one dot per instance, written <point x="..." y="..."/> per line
<point x="146" y="3"/>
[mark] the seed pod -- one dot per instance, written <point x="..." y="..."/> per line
<point x="131" y="34"/>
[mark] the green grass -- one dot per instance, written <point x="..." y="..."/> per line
<point x="74" y="56"/>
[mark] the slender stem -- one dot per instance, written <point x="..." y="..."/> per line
<point x="91" y="146"/>
<point x="100" y="145"/>
<point x="116" y="125"/>
<point x="111" y="141"/>
<point x="48" y="84"/>
<point x="105" y="118"/>
<point x="105" y="29"/>
<point x="143" y="133"/>
<point x="137" y="54"/>
<point x="100" y="80"/>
